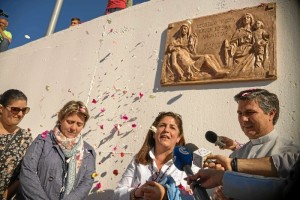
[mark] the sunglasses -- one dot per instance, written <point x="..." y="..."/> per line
<point x="16" y="110"/>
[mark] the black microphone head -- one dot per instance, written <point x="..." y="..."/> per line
<point x="211" y="136"/>
<point x="191" y="147"/>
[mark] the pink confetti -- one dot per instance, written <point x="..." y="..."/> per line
<point x="94" y="101"/>
<point x="133" y="125"/>
<point x="181" y="187"/>
<point x="125" y="117"/>
<point x="115" y="148"/>
<point x="98" y="185"/>
<point x="44" y="134"/>
<point x="101" y="126"/>
<point x="141" y="94"/>
<point x="117" y="126"/>
<point x="122" y="154"/>
<point x="102" y="110"/>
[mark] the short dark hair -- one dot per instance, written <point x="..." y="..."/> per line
<point x="11" y="95"/>
<point x="75" y="18"/>
<point x="266" y="100"/>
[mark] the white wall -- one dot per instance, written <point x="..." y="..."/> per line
<point x="114" y="57"/>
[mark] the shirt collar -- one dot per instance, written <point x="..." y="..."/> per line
<point x="266" y="138"/>
<point x="152" y="156"/>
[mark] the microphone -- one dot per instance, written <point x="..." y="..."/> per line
<point x="214" y="138"/>
<point x="191" y="147"/>
<point x="199" y="155"/>
<point x="182" y="159"/>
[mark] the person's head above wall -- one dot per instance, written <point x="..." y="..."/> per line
<point x="3" y="23"/>
<point x="75" y="21"/>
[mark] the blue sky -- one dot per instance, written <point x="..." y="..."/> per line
<point x="32" y="17"/>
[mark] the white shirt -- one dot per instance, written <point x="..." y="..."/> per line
<point x="137" y="174"/>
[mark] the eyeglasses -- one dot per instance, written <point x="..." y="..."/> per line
<point x="16" y="110"/>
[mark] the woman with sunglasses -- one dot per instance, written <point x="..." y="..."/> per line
<point x="60" y="164"/>
<point x="151" y="174"/>
<point x="14" y="140"/>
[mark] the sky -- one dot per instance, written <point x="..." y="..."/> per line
<point x="32" y="17"/>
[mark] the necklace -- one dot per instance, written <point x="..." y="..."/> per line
<point x="158" y="173"/>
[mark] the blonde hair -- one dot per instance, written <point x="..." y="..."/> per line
<point x="73" y="107"/>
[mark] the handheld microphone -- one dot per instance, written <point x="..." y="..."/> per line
<point x="214" y="138"/>
<point x="199" y="155"/>
<point x="182" y="158"/>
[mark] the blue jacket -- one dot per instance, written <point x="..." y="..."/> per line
<point x="42" y="171"/>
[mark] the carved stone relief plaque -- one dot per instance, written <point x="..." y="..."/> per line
<point x="239" y="45"/>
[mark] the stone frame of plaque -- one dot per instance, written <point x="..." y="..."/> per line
<point x="238" y="45"/>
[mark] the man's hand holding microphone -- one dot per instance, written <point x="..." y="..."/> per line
<point x="218" y="162"/>
<point x="222" y="141"/>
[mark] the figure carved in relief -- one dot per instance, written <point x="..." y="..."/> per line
<point x="261" y="44"/>
<point x="239" y="53"/>
<point x="246" y="54"/>
<point x="183" y="61"/>
<point x="179" y="49"/>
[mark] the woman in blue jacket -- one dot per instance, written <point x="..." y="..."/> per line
<point x="59" y="164"/>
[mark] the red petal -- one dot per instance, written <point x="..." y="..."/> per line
<point x="98" y="185"/>
<point x="94" y="101"/>
<point x="115" y="172"/>
<point x="125" y="117"/>
<point x="181" y="187"/>
<point x="133" y="125"/>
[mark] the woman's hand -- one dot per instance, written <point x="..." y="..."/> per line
<point x="153" y="190"/>
<point x="138" y="192"/>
